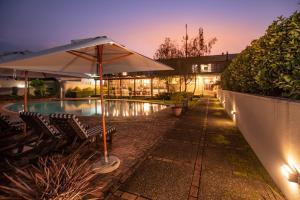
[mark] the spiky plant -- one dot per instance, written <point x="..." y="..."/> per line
<point x="53" y="178"/>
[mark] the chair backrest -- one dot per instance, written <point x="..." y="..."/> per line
<point x="38" y="123"/>
<point x="69" y="124"/>
<point x="5" y="124"/>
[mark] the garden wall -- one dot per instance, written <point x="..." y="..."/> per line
<point x="272" y="128"/>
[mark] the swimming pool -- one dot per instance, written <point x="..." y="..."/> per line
<point x="113" y="108"/>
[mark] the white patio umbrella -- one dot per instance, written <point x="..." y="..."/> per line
<point x="88" y="58"/>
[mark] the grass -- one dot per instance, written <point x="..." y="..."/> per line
<point x="170" y="102"/>
<point x="220" y="139"/>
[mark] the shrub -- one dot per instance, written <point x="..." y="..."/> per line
<point x="39" y="87"/>
<point x="78" y="93"/>
<point x="54" y="178"/>
<point x="14" y="91"/>
<point x="164" y="96"/>
<point x="177" y="98"/>
<point x="271" y="64"/>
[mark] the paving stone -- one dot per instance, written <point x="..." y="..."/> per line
<point x="160" y="180"/>
<point x="194" y="191"/>
<point x="192" y="198"/>
<point x="118" y="193"/>
<point x="141" y="198"/>
<point x="128" y="196"/>
<point x="176" y="151"/>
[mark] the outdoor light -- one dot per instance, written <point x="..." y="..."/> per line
<point x="21" y="86"/>
<point x="290" y="173"/>
<point x="233" y="112"/>
<point x="91" y="75"/>
<point x="124" y="73"/>
<point x="14" y="74"/>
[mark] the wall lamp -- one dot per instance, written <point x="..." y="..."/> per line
<point x="291" y="174"/>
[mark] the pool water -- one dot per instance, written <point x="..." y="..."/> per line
<point x="113" y="108"/>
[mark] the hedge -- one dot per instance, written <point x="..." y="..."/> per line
<point x="271" y="64"/>
<point x="77" y="92"/>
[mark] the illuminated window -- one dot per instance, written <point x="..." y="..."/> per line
<point x="195" y="68"/>
<point x="205" y="67"/>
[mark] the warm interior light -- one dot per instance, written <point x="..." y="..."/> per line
<point x="233" y="112"/>
<point x="290" y="173"/>
<point x="21" y="85"/>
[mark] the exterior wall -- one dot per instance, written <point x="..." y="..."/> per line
<point x="6" y="86"/>
<point x="271" y="127"/>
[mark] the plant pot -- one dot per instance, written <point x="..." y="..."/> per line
<point x="177" y="111"/>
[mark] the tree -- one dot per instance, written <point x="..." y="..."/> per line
<point x="196" y="46"/>
<point x="39" y="86"/>
<point x="167" y="50"/>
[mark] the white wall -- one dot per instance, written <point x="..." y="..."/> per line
<point x="272" y="128"/>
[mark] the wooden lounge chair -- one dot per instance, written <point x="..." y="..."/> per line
<point x="8" y="128"/>
<point x="73" y="128"/>
<point x="47" y="140"/>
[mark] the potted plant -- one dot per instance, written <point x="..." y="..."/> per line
<point x="177" y="98"/>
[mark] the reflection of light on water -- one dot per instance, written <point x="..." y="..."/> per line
<point x="92" y="107"/>
<point x="146" y="107"/>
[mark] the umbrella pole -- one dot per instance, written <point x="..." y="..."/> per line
<point x="109" y="163"/>
<point x="25" y="91"/>
<point x="25" y="98"/>
<point x="100" y="66"/>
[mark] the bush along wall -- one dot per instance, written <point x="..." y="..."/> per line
<point x="78" y="93"/>
<point x="271" y="64"/>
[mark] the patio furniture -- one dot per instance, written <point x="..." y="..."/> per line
<point x="9" y="128"/>
<point x="40" y="140"/>
<point x="73" y="128"/>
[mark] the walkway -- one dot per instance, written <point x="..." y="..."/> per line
<point x="203" y="156"/>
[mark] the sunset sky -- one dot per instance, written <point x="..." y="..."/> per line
<point x="140" y="25"/>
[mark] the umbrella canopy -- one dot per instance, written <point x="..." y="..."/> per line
<point x="79" y="58"/>
<point x="20" y="74"/>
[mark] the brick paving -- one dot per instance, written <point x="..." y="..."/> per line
<point x="203" y="156"/>
<point x="135" y="137"/>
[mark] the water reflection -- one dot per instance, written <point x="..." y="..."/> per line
<point x="113" y="108"/>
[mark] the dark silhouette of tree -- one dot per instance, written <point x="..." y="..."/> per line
<point x="196" y="46"/>
<point x="168" y="49"/>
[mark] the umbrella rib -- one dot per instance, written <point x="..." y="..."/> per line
<point x="116" y="58"/>
<point x="75" y="53"/>
<point x="84" y="53"/>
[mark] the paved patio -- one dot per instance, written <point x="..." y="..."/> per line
<point x="203" y="156"/>
<point x="200" y="155"/>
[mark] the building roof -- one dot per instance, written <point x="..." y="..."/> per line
<point x="184" y="65"/>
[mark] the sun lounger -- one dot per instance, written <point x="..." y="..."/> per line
<point x="9" y="128"/>
<point x="71" y="125"/>
<point x="48" y="139"/>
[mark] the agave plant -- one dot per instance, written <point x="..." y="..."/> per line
<point x="53" y="178"/>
